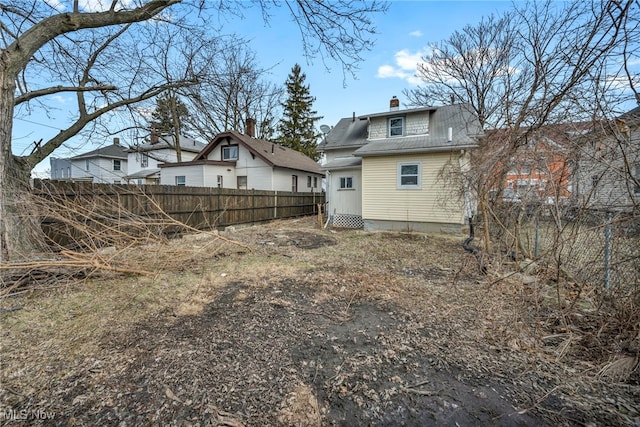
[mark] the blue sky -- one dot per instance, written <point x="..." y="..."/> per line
<point x="403" y="33"/>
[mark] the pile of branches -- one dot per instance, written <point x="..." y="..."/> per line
<point x="92" y="235"/>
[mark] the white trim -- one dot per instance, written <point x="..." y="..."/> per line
<point x="418" y="176"/>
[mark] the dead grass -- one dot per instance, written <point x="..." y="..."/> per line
<point x="295" y="334"/>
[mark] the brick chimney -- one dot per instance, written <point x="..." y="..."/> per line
<point x="116" y="141"/>
<point x="250" y="127"/>
<point x="394" y="104"/>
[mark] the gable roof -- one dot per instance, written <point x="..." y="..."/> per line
<point x="459" y="117"/>
<point x="168" y="141"/>
<point x="111" y="151"/>
<point x="273" y="154"/>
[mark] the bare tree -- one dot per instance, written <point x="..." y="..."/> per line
<point x="539" y="64"/>
<point x="104" y="58"/>
<point x="234" y="89"/>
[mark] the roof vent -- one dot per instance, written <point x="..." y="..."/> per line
<point x="394" y="104"/>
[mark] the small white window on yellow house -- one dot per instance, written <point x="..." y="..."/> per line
<point x="396" y="126"/>
<point x="409" y="175"/>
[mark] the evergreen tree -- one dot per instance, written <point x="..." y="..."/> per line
<point x="169" y="114"/>
<point x="297" y="126"/>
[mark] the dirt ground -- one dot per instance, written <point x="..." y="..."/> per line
<point x="301" y="326"/>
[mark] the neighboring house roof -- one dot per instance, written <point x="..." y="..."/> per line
<point x="558" y="135"/>
<point x="144" y="173"/>
<point x="112" y="151"/>
<point x="273" y="154"/>
<point x="464" y="124"/>
<point x="168" y="141"/>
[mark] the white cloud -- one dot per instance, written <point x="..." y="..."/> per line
<point x="416" y="33"/>
<point x="60" y="99"/>
<point x="406" y="66"/>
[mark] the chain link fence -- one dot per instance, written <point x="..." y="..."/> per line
<point x="598" y="247"/>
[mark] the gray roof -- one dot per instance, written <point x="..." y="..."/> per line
<point x="342" y="163"/>
<point x="143" y="173"/>
<point x="351" y="132"/>
<point x="112" y="151"/>
<point x="168" y="141"/>
<point x="465" y="128"/>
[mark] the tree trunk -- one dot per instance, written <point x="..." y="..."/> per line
<point x="20" y="233"/>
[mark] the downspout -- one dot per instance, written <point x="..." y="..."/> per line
<point x="469" y="214"/>
<point x="466" y="245"/>
<point x="326" y="202"/>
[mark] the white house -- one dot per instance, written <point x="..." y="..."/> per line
<point x="144" y="160"/>
<point x="235" y="160"/>
<point x="106" y="165"/>
<point x="385" y="170"/>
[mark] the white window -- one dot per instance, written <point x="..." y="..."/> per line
<point x="396" y="126"/>
<point x="409" y="175"/>
<point x="315" y="182"/>
<point x="308" y="182"/>
<point x="181" y="180"/>
<point x="116" y="165"/>
<point x="636" y="176"/>
<point x="294" y="183"/>
<point x="144" y="160"/>
<point x="346" y="182"/>
<point x="117" y="181"/>
<point x="86" y="165"/>
<point x="242" y="182"/>
<point x="230" y="152"/>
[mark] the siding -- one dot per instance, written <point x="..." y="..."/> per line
<point x="435" y="202"/>
<point x="414" y="124"/>
<point x="604" y="164"/>
<point x="346" y="202"/>
<point x="193" y="175"/>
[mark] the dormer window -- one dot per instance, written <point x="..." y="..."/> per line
<point x="230" y="152"/>
<point x="396" y="126"/>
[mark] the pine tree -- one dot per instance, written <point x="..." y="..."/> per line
<point x="168" y="118"/>
<point x="297" y="126"/>
<point x="169" y="112"/>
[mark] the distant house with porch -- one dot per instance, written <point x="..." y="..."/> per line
<point x="106" y="165"/>
<point x="235" y="160"/>
<point x="144" y="160"/>
<point x="384" y="171"/>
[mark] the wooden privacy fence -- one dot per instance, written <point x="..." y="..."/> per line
<point x="198" y="207"/>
